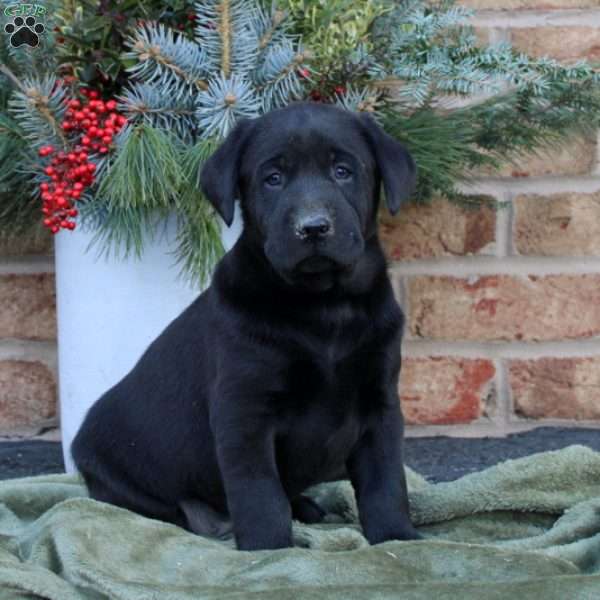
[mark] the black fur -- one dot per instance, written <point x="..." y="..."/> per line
<point x="284" y="372"/>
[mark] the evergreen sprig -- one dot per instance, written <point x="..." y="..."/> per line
<point x="145" y="171"/>
<point x="164" y="107"/>
<point x="18" y="211"/>
<point x="38" y="105"/>
<point x="162" y="57"/>
<point x="199" y="232"/>
<point x="138" y="186"/>
<point x="30" y="106"/>
<point x="242" y="63"/>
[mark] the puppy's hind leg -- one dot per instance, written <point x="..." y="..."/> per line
<point x="202" y="519"/>
<point x="122" y="493"/>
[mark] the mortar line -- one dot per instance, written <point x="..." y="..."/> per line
<point x="588" y="348"/>
<point x="574" y="17"/>
<point x="500" y="414"/>
<point x="514" y="265"/>
<point x="26" y="265"/>
<point x="546" y="185"/>
<point x="596" y="168"/>
<point x="504" y="227"/>
<point x="405" y="297"/>
<point x="44" y="351"/>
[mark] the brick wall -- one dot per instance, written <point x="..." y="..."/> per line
<point x="503" y="308"/>
<point x="28" y="390"/>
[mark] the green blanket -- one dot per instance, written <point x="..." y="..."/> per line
<point x="528" y="528"/>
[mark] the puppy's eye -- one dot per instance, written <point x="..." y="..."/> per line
<point x="273" y="179"/>
<point x="342" y="172"/>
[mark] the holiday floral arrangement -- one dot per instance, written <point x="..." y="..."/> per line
<point x="107" y="120"/>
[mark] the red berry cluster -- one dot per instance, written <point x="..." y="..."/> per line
<point x="325" y="96"/>
<point x="93" y="123"/>
<point x="95" y="119"/>
<point x="69" y="174"/>
<point x="191" y="17"/>
<point x="326" y="90"/>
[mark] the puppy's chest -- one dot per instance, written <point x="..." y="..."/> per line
<point x="329" y="374"/>
<point x="317" y="442"/>
<point x="326" y="411"/>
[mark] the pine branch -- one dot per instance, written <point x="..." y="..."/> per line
<point x="276" y="79"/>
<point x="146" y="171"/>
<point x="118" y="231"/>
<point x="169" y="108"/>
<point x="447" y="146"/>
<point x="224" y="103"/>
<point x="199" y="245"/>
<point x="224" y="29"/>
<point x="6" y="71"/>
<point x="166" y="58"/>
<point x="432" y="53"/>
<point x="240" y="77"/>
<point x="199" y="234"/>
<point x="37" y="105"/>
<point x="121" y="227"/>
<point x="442" y="147"/>
<point x="270" y="28"/>
<point x="19" y="202"/>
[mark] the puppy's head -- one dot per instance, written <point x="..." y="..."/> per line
<point x="308" y="177"/>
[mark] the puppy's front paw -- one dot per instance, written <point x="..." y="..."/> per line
<point x="250" y="543"/>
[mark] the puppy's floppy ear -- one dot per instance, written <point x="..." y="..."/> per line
<point x="220" y="173"/>
<point x="396" y="166"/>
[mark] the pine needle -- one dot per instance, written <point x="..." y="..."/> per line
<point x="146" y="172"/>
<point x="199" y="233"/>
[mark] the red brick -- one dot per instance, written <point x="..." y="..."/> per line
<point x="563" y="43"/>
<point x="566" y="224"/>
<point x="503" y="307"/>
<point x="575" y="156"/>
<point x="28" y="306"/>
<point x="441" y="390"/>
<point x="556" y="388"/>
<point x="27" y="393"/>
<point x="438" y="228"/>
<point x="36" y="242"/>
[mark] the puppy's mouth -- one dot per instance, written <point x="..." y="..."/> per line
<point x="317" y="264"/>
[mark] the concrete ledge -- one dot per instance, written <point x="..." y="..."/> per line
<point x="26" y="265"/>
<point x="493" y="429"/>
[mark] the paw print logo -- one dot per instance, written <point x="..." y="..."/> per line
<point x="24" y="31"/>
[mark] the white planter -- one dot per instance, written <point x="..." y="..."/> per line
<point x="109" y="311"/>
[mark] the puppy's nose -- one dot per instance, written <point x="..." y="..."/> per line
<point x="313" y="227"/>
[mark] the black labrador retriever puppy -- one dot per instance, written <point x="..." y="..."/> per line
<point x="284" y="372"/>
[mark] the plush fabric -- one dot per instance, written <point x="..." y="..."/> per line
<point x="527" y="528"/>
